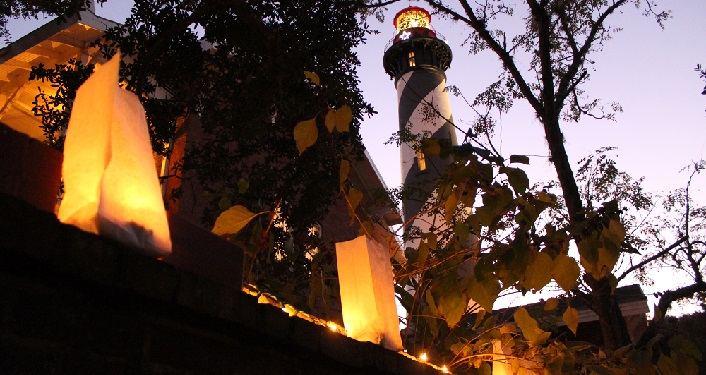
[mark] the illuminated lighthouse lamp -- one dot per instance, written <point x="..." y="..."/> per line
<point x="412" y="21"/>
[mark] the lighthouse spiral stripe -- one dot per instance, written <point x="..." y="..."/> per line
<point x="423" y="107"/>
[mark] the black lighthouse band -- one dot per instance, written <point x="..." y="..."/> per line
<point x="417" y="59"/>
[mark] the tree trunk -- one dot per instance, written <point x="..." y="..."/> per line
<point x="569" y="188"/>
<point x="603" y="302"/>
<point x="613" y="328"/>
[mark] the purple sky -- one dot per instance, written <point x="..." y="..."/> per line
<point x="649" y="71"/>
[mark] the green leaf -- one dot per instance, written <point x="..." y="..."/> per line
<point x="666" y="365"/>
<point x="571" y="318"/>
<point x="495" y="204"/>
<point x="339" y="119"/>
<point x="566" y="272"/>
<point x="305" y="134"/>
<point x="529" y="327"/>
<point x="343" y="172"/>
<point x="224" y="203"/>
<point x="523" y="159"/>
<point x="539" y="272"/>
<point x="243" y="185"/>
<point x="517" y="178"/>
<point x="312" y="77"/>
<point x="452" y="306"/>
<point x="233" y="220"/>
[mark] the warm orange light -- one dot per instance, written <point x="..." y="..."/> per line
<point x="332" y="326"/>
<point x="111" y="185"/>
<point x="290" y="310"/>
<point x="423" y="357"/>
<point x="366" y="284"/>
<point x="411" y="17"/>
<point x="444" y="369"/>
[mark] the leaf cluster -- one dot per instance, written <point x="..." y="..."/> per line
<point x="55" y="109"/>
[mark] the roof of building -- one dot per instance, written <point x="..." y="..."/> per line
<point x="55" y="42"/>
<point x="630" y="298"/>
<point x="59" y="40"/>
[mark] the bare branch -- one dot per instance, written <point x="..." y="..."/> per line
<point x="481" y="28"/>
<point x="674" y="295"/>
<point x="578" y="60"/>
<point x="646" y="261"/>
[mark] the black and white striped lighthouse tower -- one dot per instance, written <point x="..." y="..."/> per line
<point x="417" y="59"/>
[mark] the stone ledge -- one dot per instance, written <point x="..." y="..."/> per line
<point x="37" y="249"/>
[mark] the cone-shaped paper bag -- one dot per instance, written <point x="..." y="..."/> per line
<point x="367" y="292"/>
<point x="111" y="185"/>
<point x="87" y="147"/>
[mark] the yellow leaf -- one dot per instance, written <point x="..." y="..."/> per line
<point x="551" y="304"/>
<point x="450" y="207"/>
<point x="545" y="197"/>
<point x="305" y="134"/>
<point x="233" y="220"/>
<point x="529" y="327"/>
<point x="313" y="77"/>
<point x="615" y="233"/>
<point x="483" y="292"/>
<point x="566" y="272"/>
<point x="506" y="328"/>
<point x="339" y="119"/>
<point x="431" y="147"/>
<point x="606" y="261"/>
<point x="427" y="243"/>
<point x="354" y="198"/>
<point x="539" y="272"/>
<point x="343" y="172"/>
<point x="468" y="194"/>
<point x="571" y="318"/>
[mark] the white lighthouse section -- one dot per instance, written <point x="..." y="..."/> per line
<point x="431" y="119"/>
<point x="424" y="110"/>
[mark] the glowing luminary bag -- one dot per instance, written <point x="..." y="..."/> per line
<point x="110" y="182"/>
<point x="367" y="292"/>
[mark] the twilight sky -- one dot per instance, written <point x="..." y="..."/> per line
<point x="649" y="71"/>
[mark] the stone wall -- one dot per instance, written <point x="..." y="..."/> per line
<point x="75" y="303"/>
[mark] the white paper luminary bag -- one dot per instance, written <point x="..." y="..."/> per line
<point x="111" y="184"/>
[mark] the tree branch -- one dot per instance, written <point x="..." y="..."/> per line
<point x="563" y="90"/>
<point x="646" y="261"/>
<point x="505" y="57"/>
<point x="674" y="295"/>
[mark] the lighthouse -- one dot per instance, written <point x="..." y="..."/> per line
<point x="417" y="59"/>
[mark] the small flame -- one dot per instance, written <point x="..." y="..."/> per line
<point x="332" y="326"/>
<point x="290" y="310"/>
<point x="444" y="369"/>
<point x="424" y="357"/>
